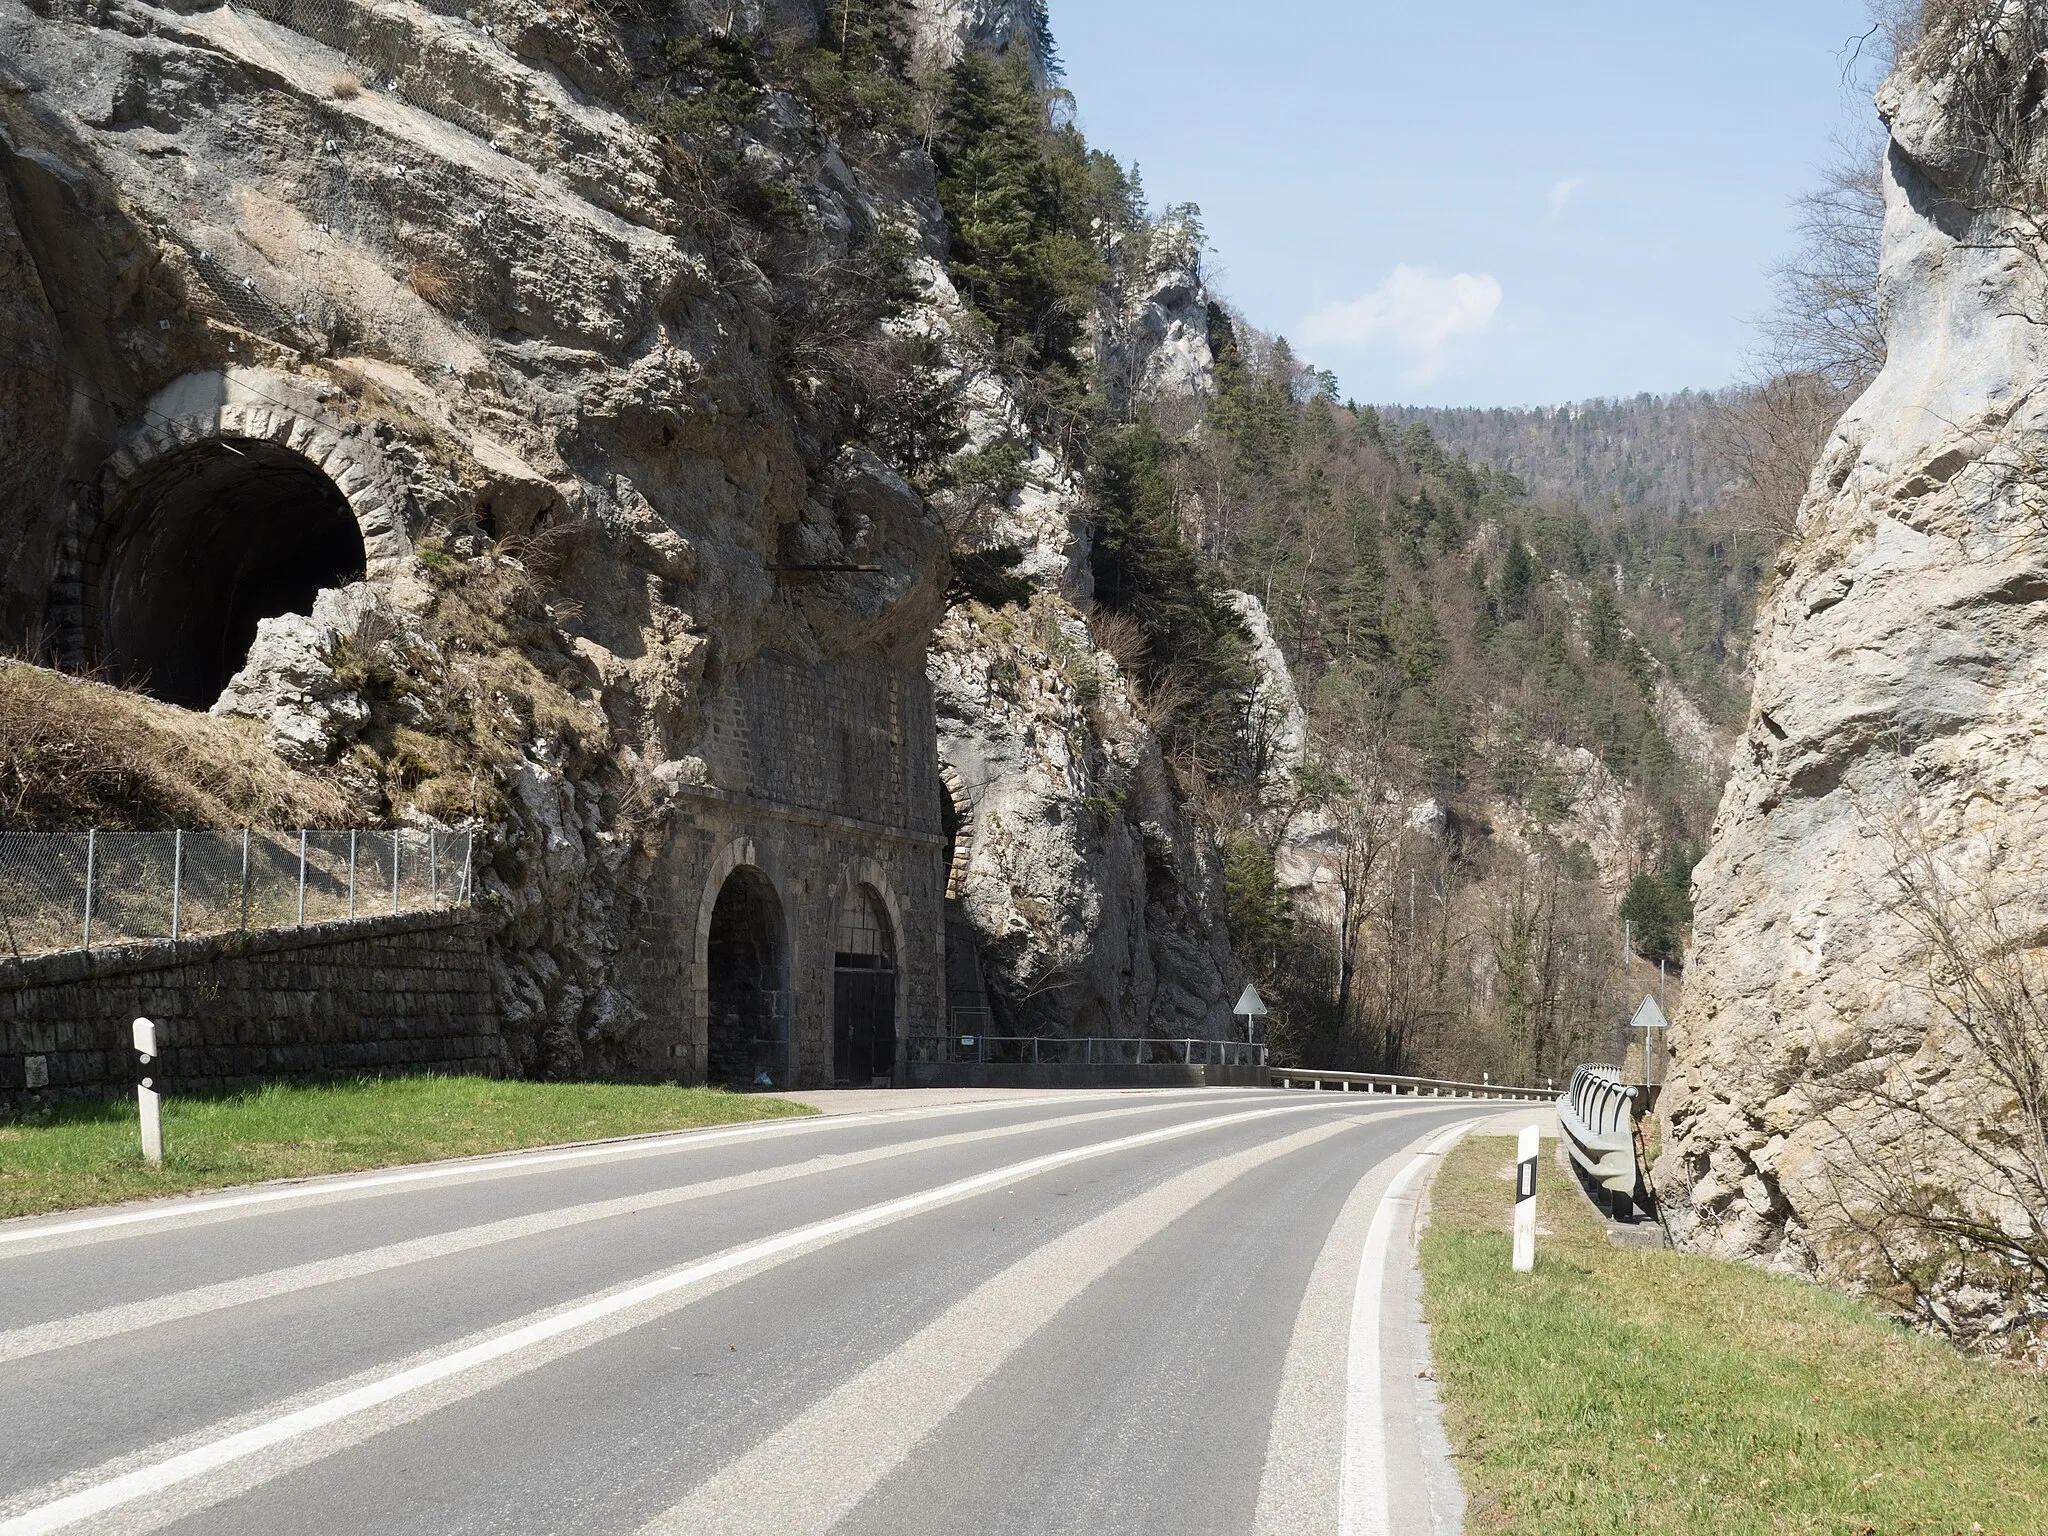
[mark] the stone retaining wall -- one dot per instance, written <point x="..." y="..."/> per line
<point x="409" y="993"/>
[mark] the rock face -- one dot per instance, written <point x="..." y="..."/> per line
<point x="1901" y="705"/>
<point x="430" y="281"/>
<point x="1097" y="902"/>
<point x="594" y="565"/>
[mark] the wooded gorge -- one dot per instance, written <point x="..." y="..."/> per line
<point x="1514" y="703"/>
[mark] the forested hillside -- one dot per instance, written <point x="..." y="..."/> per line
<point x="1511" y="698"/>
<point x="1648" y="451"/>
<point x="1456" y="641"/>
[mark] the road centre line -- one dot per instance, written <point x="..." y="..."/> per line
<point x="1363" y="1503"/>
<point x="130" y="1317"/>
<point x="211" y="1456"/>
<point x="804" y="1478"/>
<point x="504" y="1164"/>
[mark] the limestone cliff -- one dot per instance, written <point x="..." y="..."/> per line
<point x="584" y="417"/>
<point x="1898" y="726"/>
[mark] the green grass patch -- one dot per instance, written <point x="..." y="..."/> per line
<point x="1648" y="1391"/>
<point x="89" y="1154"/>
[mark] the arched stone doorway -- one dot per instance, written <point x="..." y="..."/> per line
<point x="746" y="970"/>
<point x="863" y="990"/>
<point x="191" y="553"/>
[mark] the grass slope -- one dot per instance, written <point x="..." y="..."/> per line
<point x="88" y="1154"/>
<point x="1660" y="1392"/>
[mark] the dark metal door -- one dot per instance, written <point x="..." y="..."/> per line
<point x="863" y="1026"/>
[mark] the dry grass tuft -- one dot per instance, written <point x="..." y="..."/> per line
<point x="80" y="754"/>
<point x="346" y="86"/>
<point x="432" y="281"/>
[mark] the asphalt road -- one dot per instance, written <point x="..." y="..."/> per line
<point x="1137" y="1312"/>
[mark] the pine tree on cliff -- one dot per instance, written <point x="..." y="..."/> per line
<point x="1017" y="194"/>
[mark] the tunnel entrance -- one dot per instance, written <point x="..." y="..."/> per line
<point x="863" y="991"/>
<point x="747" y="1034"/>
<point x="199" y="549"/>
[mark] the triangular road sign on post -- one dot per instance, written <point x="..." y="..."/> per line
<point x="1649" y="1015"/>
<point x="1249" y="1004"/>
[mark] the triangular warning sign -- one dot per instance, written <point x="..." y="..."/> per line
<point x="1250" y="1004"/>
<point x="1649" y="1015"/>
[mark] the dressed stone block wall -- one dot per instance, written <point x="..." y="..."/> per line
<point x="409" y="993"/>
<point x="824" y="777"/>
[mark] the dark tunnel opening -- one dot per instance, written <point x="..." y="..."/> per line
<point x="211" y="541"/>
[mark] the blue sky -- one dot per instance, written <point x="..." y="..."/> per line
<point x="1499" y="202"/>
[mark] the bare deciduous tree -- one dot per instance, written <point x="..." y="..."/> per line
<point x="1940" y="1168"/>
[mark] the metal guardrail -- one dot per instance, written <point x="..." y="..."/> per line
<point x="83" y="890"/>
<point x="1081" y="1051"/>
<point x="1418" y="1087"/>
<point x="1597" y="1116"/>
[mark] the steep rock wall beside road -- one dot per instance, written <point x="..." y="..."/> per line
<point x="1900" y="708"/>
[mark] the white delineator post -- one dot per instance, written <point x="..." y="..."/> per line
<point x="147" y="1103"/>
<point x="1527" y="1147"/>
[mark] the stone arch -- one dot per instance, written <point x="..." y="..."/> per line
<point x="959" y="821"/>
<point x="869" y="999"/>
<point x="739" y="870"/>
<point x="277" y="463"/>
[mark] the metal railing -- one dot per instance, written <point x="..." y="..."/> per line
<point x="1080" y="1051"/>
<point x="84" y="890"/>
<point x="1394" y="1083"/>
<point x="1597" y="1116"/>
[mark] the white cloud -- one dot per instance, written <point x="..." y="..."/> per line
<point x="1416" y="314"/>
<point x="1562" y="192"/>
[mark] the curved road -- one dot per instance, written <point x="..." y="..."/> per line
<point x="1084" y="1312"/>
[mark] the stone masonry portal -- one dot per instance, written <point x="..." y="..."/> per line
<point x="810" y="863"/>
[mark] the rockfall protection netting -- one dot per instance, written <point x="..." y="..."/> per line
<point x="84" y="890"/>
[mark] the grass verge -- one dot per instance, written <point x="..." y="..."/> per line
<point x="88" y="1154"/>
<point x="1650" y="1391"/>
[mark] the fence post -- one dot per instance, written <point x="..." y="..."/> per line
<point x="394" y="871"/>
<point x="245" y="879"/>
<point x="177" y="876"/>
<point x="433" y="869"/>
<point x="468" y="868"/>
<point x="302" y="877"/>
<point x="92" y="847"/>
<point x="351" y="871"/>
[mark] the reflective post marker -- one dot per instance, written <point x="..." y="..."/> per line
<point x="147" y="1103"/>
<point x="1526" y="1149"/>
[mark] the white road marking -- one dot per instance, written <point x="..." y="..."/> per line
<point x="211" y="1456"/>
<point x="1362" y="1493"/>
<point x="807" y="1476"/>
<point x="495" y="1165"/>
<point x="130" y="1317"/>
<point x="1305" y="1439"/>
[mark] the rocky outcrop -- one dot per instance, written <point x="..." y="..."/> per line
<point x="1097" y="901"/>
<point x="448" y="261"/>
<point x="1153" y="333"/>
<point x="1901" y="673"/>
<point x="464" y="253"/>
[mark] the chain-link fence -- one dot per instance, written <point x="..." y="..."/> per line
<point x="79" y="890"/>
